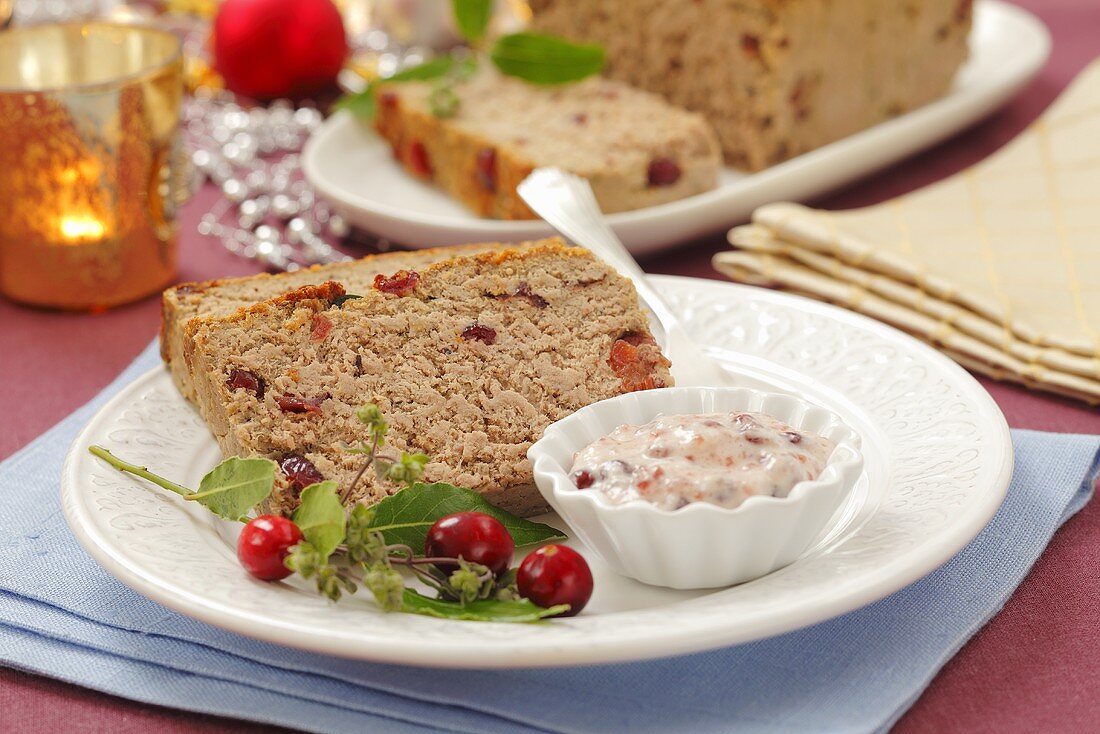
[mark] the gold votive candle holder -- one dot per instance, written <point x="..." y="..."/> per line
<point x="91" y="163"/>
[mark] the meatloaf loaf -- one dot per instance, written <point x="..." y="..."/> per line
<point x="632" y="147"/>
<point x="470" y="359"/>
<point x="775" y="77"/>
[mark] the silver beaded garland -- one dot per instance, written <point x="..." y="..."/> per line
<point x="267" y="212"/>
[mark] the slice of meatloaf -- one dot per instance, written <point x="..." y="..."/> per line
<point x="470" y="359"/>
<point x="222" y="297"/>
<point x="635" y="149"/>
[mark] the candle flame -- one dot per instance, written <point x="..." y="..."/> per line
<point x="81" y="228"/>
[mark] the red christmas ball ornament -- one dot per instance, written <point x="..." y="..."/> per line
<point x="278" y="48"/>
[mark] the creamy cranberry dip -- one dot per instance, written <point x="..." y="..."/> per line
<point x="719" y="458"/>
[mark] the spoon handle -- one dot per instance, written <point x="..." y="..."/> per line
<point x="566" y="203"/>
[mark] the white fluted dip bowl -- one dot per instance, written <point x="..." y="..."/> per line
<point x="700" y="545"/>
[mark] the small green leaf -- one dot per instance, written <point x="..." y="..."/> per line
<point x="408" y="469"/>
<point x="305" y="560"/>
<point x="506" y="589"/>
<point x="471" y="581"/>
<point x="333" y="582"/>
<point x="363" y="544"/>
<point x="482" y="610"/>
<point x="362" y="104"/>
<point x="321" y="517"/>
<point x="431" y="69"/>
<point x="541" y="59"/>
<point x="472" y="17"/>
<point x="406" y="516"/>
<point x="235" y="486"/>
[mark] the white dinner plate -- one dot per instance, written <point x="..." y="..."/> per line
<point x="353" y="168"/>
<point x="937" y="463"/>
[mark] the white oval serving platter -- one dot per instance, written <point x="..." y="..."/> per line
<point x="353" y="168"/>
<point x="937" y="452"/>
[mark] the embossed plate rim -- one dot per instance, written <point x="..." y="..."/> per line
<point x="751" y="611"/>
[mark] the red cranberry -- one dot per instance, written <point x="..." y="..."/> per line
<point x="663" y="172"/>
<point x="265" y="543"/>
<point x="486" y="168"/>
<point x="300" y="471"/>
<point x="481" y="333"/>
<point x="750" y="44"/>
<point x="793" y="437"/>
<point x="524" y="291"/>
<point x="580" y="118"/>
<point x="246" y="380"/>
<point x="418" y="161"/>
<point x="634" y="357"/>
<point x="623" y="356"/>
<point x="401" y="283"/>
<point x="474" y="537"/>
<point x="292" y="404"/>
<point x="556" y="574"/>
<point x="319" y="327"/>
<point x="798" y="99"/>
<point x="583" y="479"/>
<point x="388" y="100"/>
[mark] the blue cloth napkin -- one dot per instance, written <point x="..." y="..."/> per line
<point x="61" y="615"/>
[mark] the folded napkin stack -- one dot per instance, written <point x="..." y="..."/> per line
<point x="62" y="615"/>
<point x="998" y="266"/>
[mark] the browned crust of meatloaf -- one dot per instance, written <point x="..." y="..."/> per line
<point x="220" y="297"/>
<point x="474" y="407"/>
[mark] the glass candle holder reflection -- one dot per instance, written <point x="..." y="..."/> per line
<point x="91" y="168"/>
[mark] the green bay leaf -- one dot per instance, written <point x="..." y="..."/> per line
<point x="235" y="486"/>
<point x="321" y="517"/>
<point x="406" y="516"/>
<point x="362" y="104"/>
<point x="483" y="610"/>
<point x="430" y="69"/>
<point x="472" y="17"/>
<point x="542" y="59"/>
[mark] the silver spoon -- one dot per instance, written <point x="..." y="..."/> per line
<point x="567" y="204"/>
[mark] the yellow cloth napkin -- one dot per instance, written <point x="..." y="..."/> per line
<point x="998" y="266"/>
